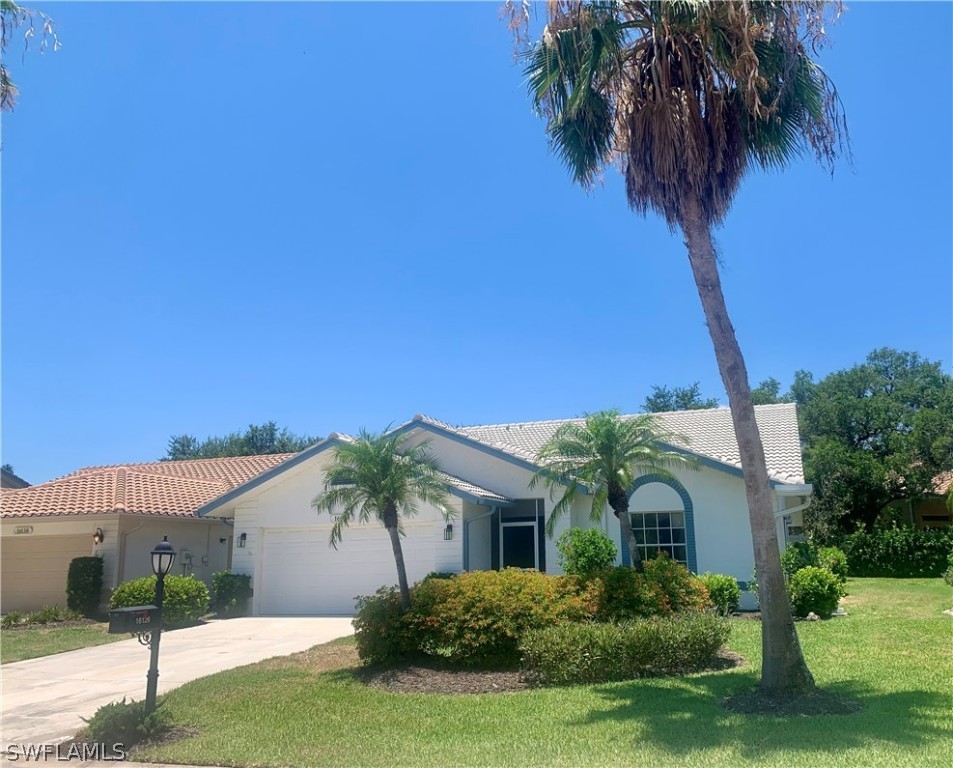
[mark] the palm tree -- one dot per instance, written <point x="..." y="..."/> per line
<point x="684" y="97"/>
<point x="377" y="476"/>
<point x="603" y="455"/>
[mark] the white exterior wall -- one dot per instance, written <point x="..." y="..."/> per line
<point x="283" y="503"/>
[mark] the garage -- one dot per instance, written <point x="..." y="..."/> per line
<point x="302" y="575"/>
<point x="33" y="569"/>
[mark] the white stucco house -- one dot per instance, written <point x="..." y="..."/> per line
<point x="699" y="518"/>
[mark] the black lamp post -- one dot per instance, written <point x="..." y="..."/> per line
<point x="162" y="558"/>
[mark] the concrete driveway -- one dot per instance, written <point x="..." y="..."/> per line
<point x="45" y="699"/>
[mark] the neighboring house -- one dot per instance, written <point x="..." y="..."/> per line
<point x="699" y="518"/>
<point x="119" y="513"/>
<point x="931" y="511"/>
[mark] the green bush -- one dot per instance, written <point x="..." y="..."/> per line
<point x="186" y="598"/>
<point x="619" y="594"/>
<point x="796" y="556"/>
<point x="13" y="619"/>
<point x="682" y="589"/>
<point x="816" y="590"/>
<point x="898" y="552"/>
<point x="724" y="591"/>
<point x="834" y="560"/>
<point x="84" y="584"/>
<point x="231" y="593"/>
<point x="568" y="654"/>
<point x="480" y="617"/>
<point x="948" y="573"/>
<point x="380" y="628"/>
<point x="126" y="723"/>
<point x="584" y="551"/>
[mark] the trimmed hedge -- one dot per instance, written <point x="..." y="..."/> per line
<point x="480" y="617"/>
<point x="898" y="552"/>
<point x="231" y="593"/>
<point x="185" y="601"/>
<point x="84" y="585"/>
<point x="814" y="590"/>
<point x="619" y="594"/>
<point x="570" y="654"/>
<point x="381" y="629"/>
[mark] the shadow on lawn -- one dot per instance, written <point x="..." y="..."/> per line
<point x="685" y="716"/>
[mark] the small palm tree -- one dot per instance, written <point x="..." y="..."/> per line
<point x="604" y="455"/>
<point x="684" y="98"/>
<point x="377" y="476"/>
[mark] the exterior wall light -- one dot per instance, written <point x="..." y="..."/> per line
<point x="448" y="532"/>
<point x="99" y="537"/>
<point x="241" y="540"/>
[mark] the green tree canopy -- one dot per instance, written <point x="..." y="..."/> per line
<point x="875" y="432"/>
<point x="256" y="440"/>
<point x="677" y="399"/>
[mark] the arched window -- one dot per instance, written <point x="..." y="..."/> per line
<point x="662" y="519"/>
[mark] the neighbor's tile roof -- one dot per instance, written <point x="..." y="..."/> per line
<point x="942" y="483"/>
<point x="155" y="488"/>
<point x="708" y="433"/>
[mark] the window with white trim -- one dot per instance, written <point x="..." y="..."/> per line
<point x="661" y="532"/>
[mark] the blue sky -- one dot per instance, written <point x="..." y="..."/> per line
<point x="335" y="216"/>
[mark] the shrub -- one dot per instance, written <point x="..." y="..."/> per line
<point x="380" y="628"/>
<point x="84" y="584"/>
<point x="584" y="551"/>
<point x="724" y="591"/>
<point x="480" y="617"/>
<point x="796" y="556"/>
<point x="816" y="590"/>
<point x="619" y="594"/>
<point x="12" y="619"/>
<point x="186" y="598"/>
<point x="898" y="552"/>
<point x="948" y="573"/>
<point x="682" y="589"/>
<point x="597" y="653"/>
<point x="232" y="592"/>
<point x="126" y="724"/>
<point x="834" y="560"/>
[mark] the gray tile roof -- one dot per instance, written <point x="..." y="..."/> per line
<point x="709" y="433"/>
<point x="473" y="489"/>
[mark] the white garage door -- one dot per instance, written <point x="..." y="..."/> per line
<point x="301" y="575"/>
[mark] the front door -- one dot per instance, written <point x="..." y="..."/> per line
<point x="519" y="545"/>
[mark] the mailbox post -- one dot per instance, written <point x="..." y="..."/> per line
<point x="162" y="558"/>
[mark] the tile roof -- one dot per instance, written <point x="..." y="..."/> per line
<point x="709" y="433"/>
<point x="943" y="483"/>
<point x="473" y="489"/>
<point x="175" y="488"/>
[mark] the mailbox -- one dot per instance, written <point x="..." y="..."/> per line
<point x="138" y="618"/>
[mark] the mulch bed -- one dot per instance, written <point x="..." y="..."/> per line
<point x="433" y="677"/>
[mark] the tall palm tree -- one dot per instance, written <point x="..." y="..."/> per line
<point x="684" y="97"/>
<point x="603" y="455"/>
<point x="377" y="476"/>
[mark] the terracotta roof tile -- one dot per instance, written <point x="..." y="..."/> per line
<point x="156" y="488"/>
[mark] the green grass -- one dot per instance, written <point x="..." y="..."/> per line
<point x="31" y="642"/>
<point x="891" y="653"/>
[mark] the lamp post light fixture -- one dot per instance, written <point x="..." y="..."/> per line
<point x="163" y="556"/>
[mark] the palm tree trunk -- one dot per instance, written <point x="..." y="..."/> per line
<point x="619" y="501"/>
<point x="783" y="668"/>
<point x="391" y="524"/>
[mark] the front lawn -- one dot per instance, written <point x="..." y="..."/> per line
<point x="891" y="653"/>
<point x="42" y="640"/>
